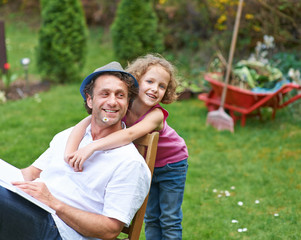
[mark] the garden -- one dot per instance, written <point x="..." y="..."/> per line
<point x="241" y="185"/>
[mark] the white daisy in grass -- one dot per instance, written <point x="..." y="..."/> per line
<point x="257" y="201"/>
<point x="242" y="229"/>
<point x="240" y="203"/>
<point x="234" y="221"/>
<point x="222" y="193"/>
<point x="276" y="214"/>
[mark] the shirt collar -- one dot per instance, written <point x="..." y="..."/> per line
<point x="88" y="129"/>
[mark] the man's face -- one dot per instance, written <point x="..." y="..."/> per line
<point x="110" y="100"/>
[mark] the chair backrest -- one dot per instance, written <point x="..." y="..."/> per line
<point x="147" y="146"/>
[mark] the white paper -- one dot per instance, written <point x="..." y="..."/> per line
<point x="8" y="174"/>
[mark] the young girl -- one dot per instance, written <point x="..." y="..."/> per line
<point x="157" y="83"/>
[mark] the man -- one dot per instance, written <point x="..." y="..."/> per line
<point x="94" y="203"/>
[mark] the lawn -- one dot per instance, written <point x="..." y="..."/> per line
<point x="258" y="162"/>
<point x="244" y="185"/>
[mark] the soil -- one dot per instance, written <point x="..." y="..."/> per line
<point x="21" y="89"/>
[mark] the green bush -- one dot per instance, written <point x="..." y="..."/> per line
<point x="135" y="30"/>
<point x="62" y="41"/>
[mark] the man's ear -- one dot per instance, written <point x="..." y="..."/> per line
<point x="89" y="101"/>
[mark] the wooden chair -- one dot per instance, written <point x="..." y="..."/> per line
<point x="147" y="147"/>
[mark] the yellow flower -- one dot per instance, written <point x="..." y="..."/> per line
<point x="249" y="16"/>
<point x="222" y="19"/>
<point x="162" y="1"/>
<point x="256" y="28"/>
<point x="220" y="27"/>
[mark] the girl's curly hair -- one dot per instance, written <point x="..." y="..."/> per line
<point x="141" y="65"/>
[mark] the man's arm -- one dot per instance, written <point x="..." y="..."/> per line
<point x="86" y="223"/>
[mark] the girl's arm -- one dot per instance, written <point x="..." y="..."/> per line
<point x="75" y="137"/>
<point x="152" y="121"/>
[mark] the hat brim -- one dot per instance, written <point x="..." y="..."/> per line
<point x="89" y="78"/>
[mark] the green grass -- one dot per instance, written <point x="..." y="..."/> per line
<point x="20" y="44"/>
<point x="261" y="160"/>
<point x="27" y="126"/>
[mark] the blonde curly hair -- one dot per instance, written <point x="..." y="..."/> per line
<point x="141" y="65"/>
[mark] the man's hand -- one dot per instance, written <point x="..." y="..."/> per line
<point x="38" y="190"/>
<point x="86" y="223"/>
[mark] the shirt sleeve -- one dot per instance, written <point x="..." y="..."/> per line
<point x="58" y="141"/>
<point x="43" y="160"/>
<point x="127" y="191"/>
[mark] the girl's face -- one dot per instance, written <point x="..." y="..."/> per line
<point x="153" y="85"/>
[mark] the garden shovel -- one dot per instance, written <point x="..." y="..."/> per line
<point x="219" y="119"/>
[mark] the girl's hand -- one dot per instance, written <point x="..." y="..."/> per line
<point x="77" y="159"/>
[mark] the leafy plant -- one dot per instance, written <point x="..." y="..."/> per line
<point x="7" y="76"/>
<point x="257" y="74"/>
<point x="135" y="30"/>
<point x="189" y="86"/>
<point x="62" y="40"/>
<point x="8" y="79"/>
<point x="258" y="71"/>
<point x="286" y="61"/>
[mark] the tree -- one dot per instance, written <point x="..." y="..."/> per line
<point x="135" y="30"/>
<point x="62" y="40"/>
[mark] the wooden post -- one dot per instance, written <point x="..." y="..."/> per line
<point x="3" y="58"/>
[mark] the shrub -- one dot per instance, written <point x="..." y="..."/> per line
<point x="135" y="30"/>
<point x="62" y="40"/>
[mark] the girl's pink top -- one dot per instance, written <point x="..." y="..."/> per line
<point x="171" y="147"/>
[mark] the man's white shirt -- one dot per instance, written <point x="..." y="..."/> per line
<point x="113" y="183"/>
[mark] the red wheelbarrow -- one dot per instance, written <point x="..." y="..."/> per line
<point x="243" y="103"/>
